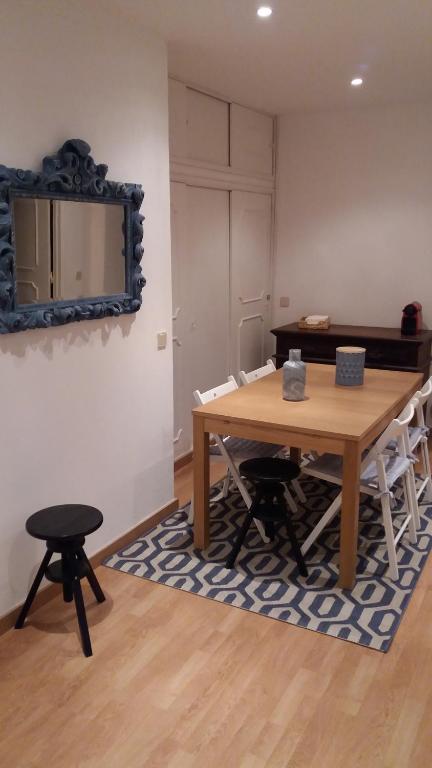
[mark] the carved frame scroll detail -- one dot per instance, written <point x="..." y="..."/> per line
<point x="70" y="174"/>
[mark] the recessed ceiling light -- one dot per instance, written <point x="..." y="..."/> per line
<point x="356" y="81"/>
<point x="264" y="11"/>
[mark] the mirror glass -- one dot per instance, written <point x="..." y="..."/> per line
<point x="67" y="250"/>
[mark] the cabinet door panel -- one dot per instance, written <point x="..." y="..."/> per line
<point x="182" y="436"/>
<point x="251" y="216"/>
<point x="200" y="264"/>
<point x="207" y="287"/>
<point x="177" y="104"/>
<point x="251" y="141"/>
<point x="207" y="128"/>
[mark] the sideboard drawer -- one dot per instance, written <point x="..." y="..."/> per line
<point x="392" y="354"/>
<point x="310" y="349"/>
<point x="325" y="349"/>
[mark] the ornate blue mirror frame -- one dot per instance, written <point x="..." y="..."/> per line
<point x="71" y="174"/>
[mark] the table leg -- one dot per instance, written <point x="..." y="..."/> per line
<point x="295" y="455"/>
<point x="201" y="484"/>
<point x="349" y="515"/>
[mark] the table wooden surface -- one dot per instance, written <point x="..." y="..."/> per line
<point x="341" y="420"/>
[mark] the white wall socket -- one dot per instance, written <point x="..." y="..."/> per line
<point x="162" y="340"/>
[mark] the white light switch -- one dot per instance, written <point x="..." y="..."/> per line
<point x="284" y="301"/>
<point x="162" y="340"/>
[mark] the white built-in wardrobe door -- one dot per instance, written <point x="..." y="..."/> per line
<point x="178" y="247"/>
<point x="200" y="256"/>
<point x="251" y="217"/>
<point x="177" y="103"/>
<point x="207" y="128"/>
<point x="198" y="125"/>
<point x="251" y="142"/>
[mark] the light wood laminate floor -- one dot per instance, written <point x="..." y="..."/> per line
<point x="182" y="682"/>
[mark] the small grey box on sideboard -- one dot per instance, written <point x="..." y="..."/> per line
<point x="385" y="347"/>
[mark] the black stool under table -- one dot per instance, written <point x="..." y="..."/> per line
<point x="269" y="504"/>
<point x="64" y="529"/>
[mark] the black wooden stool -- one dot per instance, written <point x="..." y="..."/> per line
<point x="64" y="529"/>
<point x="268" y="475"/>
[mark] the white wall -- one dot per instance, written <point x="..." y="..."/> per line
<point x="86" y="410"/>
<point x="354" y="214"/>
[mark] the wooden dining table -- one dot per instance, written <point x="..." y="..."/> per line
<point x="334" y="419"/>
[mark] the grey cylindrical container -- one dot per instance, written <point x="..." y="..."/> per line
<point x="350" y="363"/>
<point x="294" y="376"/>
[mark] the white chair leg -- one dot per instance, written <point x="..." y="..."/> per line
<point x="259" y="524"/>
<point x="190" y="517"/>
<point x="325" y="520"/>
<point x="398" y="493"/>
<point x="232" y="472"/>
<point x="410" y="495"/>
<point x="427" y="470"/>
<point x="225" y="488"/>
<point x="389" y="536"/>
<point x="299" y="492"/>
<point x="226" y="485"/>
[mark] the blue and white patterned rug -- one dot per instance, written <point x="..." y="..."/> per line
<point x="266" y="580"/>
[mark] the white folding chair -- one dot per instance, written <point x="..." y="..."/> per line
<point x="379" y="473"/>
<point x="418" y="443"/>
<point x="418" y="440"/>
<point x="258" y="373"/>
<point x="249" y="378"/>
<point x="234" y="450"/>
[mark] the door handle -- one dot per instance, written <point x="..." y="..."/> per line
<point x="178" y="435"/>
<point x="251" y="301"/>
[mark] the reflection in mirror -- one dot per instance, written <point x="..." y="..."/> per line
<point x="67" y="250"/>
<point x="32" y="248"/>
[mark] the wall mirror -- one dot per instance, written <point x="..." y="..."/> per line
<point x="70" y="242"/>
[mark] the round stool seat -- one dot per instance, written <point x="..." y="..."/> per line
<point x="63" y="522"/>
<point x="269" y="470"/>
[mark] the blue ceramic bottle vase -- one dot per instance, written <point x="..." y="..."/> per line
<point x="294" y="376"/>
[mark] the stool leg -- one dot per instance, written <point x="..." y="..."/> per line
<point x="34" y="588"/>
<point x="292" y="536"/>
<point x="269" y="524"/>
<point x="269" y="529"/>
<point x="239" y="541"/>
<point x="91" y="576"/>
<point x="243" y="531"/>
<point x="67" y="578"/>
<point x="82" y="618"/>
<point x="296" y="548"/>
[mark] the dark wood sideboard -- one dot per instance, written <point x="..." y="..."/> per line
<point x="385" y="347"/>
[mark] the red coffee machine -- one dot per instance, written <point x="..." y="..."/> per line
<point x="412" y="321"/>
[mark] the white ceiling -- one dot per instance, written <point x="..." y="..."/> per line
<point x="303" y="56"/>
